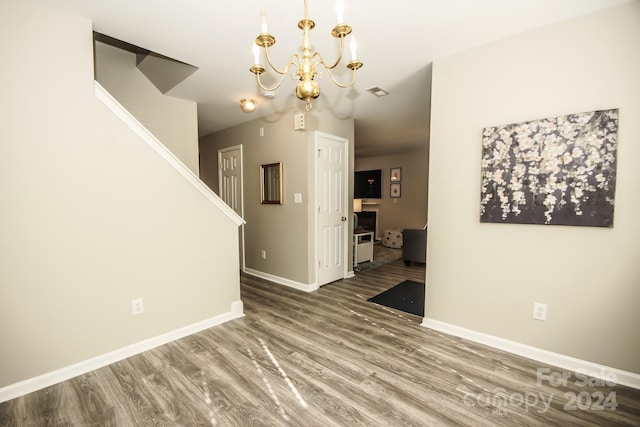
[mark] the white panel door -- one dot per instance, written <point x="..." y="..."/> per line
<point x="230" y="187"/>
<point x="331" y="197"/>
<point x="230" y="177"/>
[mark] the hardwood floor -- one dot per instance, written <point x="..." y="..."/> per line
<point x="327" y="358"/>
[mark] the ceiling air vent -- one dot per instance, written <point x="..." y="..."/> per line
<point x="377" y="91"/>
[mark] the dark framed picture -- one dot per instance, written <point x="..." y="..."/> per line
<point x="396" y="190"/>
<point x="396" y="175"/>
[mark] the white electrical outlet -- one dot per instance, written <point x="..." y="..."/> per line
<point x="263" y="254"/>
<point x="539" y="311"/>
<point x="137" y="306"/>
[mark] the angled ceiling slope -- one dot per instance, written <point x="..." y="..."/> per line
<point x="164" y="72"/>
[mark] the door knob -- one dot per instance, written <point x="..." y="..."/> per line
<point x="343" y="219"/>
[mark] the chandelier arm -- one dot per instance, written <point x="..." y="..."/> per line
<point x="292" y="60"/>
<point x="269" y="89"/>
<point x="337" y="83"/>
<point x="321" y="59"/>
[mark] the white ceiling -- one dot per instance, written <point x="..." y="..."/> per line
<point x="397" y="42"/>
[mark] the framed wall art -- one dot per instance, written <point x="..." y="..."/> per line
<point x="396" y="190"/>
<point x="558" y="171"/>
<point x="396" y="175"/>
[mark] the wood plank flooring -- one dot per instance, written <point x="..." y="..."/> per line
<point x="327" y="358"/>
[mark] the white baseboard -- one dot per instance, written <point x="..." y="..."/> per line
<point x="282" y="281"/>
<point x="569" y="363"/>
<point x="37" y="383"/>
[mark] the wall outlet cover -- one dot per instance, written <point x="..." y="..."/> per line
<point x="137" y="306"/>
<point x="539" y="311"/>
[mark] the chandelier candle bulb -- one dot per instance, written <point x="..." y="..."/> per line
<point x="256" y="54"/>
<point x="340" y="11"/>
<point x="263" y="23"/>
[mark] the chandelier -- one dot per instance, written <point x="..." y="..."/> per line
<point x="307" y="64"/>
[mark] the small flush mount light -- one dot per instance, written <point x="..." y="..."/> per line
<point x="247" y="105"/>
<point x="377" y="91"/>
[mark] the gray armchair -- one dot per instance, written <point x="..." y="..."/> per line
<point x="414" y="246"/>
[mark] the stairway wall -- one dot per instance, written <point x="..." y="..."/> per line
<point x="172" y="120"/>
<point x="91" y="216"/>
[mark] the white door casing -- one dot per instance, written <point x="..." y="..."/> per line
<point x="331" y="167"/>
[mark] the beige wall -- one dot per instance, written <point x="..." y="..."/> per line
<point x="410" y="210"/>
<point x="91" y="217"/>
<point x="486" y="277"/>
<point x="285" y="231"/>
<point x="173" y="121"/>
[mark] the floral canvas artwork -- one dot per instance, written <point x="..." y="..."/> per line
<point x="559" y="170"/>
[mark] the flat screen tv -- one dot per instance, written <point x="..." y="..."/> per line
<point x="367" y="184"/>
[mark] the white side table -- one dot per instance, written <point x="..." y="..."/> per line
<point x="362" y="247"/>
